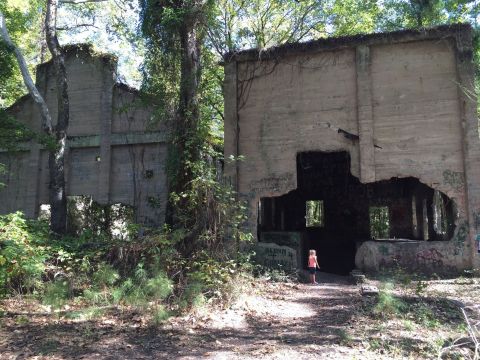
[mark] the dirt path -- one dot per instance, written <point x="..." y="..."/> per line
<point x="282" y="321"/>
<point x="289" y="321"/>
<point x="297" y="322"/>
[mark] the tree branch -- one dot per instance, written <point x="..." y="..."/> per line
<point x="76" y="26"/>
<point x="27" y="78"/>
<point x="77" y="2"/>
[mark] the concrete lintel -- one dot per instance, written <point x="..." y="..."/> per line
<point x="365" y="114"/>
<point x="87" y="141"/>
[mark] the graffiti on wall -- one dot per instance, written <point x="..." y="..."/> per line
<point x="430" y="257"/>
<point x="271" y="184"/>
<point x="390" y="261"/>
<point x="454" y="179"/>
<point x="476" y="219"/>
<point x="384" y="250"/>
<point x="275" y="256"/>
<point x="460" y="238"/>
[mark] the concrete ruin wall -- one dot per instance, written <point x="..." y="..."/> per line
<point x="407" y="99"/>
<point x="114" y="153"/>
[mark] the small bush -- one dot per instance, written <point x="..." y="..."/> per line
<point x="160" y="314"/>
<point x="424" y="315"/>
<point x="158" y="287"/>
<point x="22" y="259"/>
<point x="97" y="297"/>
<point x="193" y="296"/>
<point x="388" y="304"/>
<point x="420" y="287"/>
<point x="105" y="276"/>
<point x="138" y="290"/>
<point x="408" y="325"/>
<point x="56" y="293"/>
<point x="345" y="338"/>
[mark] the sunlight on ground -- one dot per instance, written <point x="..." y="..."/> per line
<point x="258" y="307"/>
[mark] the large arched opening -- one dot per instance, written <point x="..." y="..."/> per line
<point x="332" y="212"/>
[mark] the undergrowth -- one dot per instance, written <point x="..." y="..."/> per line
<point x="403" y="305"/>
<point x="93" y="270"/>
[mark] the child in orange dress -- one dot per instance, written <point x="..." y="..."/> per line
<point x="312" y="265"/>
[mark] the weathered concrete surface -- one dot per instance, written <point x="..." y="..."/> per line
<point x="112" y="144"/>
<point x="290" y="240"/>
<point x="406" y="96"/>
<point x="423" y="256"/>
<point x="276" y="256"/>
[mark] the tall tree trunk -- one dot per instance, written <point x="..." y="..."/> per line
<point x="188" y="111"/>
<point x="186" y="140"/>
<point x="56" y="160"/>
<point x="190" y="141"/>
<point x="43" y="38"/>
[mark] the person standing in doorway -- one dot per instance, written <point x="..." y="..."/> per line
<point x="312" y="265"/>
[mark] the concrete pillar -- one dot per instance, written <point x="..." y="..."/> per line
<point x="106" y="114"/>
<point x="231" y="123"/>
<point x="471" y="143"/>
<point x="365" y="114"/>
<point x="31" y="205"/>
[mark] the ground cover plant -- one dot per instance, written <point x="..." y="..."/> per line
<point x="418" y="316"/>
<point x="92" y="268"/>
<point x="267" y="320"/>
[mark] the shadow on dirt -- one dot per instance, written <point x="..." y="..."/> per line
<point x="331" y="309"/>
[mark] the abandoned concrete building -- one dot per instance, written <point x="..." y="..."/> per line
<point x="364" y="148"/>
<point x="114" y="154"/>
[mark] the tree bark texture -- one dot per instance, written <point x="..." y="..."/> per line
<point x="188" y="111"/>
<point x="56" y="159"/>
<point x="190" y="141"/>
<point x="27" y="79"/>
<point x="186" y="143"/>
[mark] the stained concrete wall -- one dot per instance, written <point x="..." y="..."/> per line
<point x="404" y="98"/>
<point x="114" y="154"/>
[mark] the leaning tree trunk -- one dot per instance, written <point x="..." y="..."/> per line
<point x="27" y="78"/>
<point x="56" y="160"/>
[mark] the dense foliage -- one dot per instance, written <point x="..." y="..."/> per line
<point x="22" y="253"/>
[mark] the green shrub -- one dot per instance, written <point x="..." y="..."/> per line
<point x="159" y="286"/>
<point x="97" y="297"/>
<point x="210" y="279"/>
<point x="211" y="273"/>
<point x="388" y="304"/>
<point x="22" y="258"/>
<point x="192" y="296"/>
<point x="56" y="293"/>
<point x="105" y="276"/>
<point x="143" y="288"/>
<point x="425" y="316"/>
<point x="137" y="290"/>
<point x="159" y="314"/>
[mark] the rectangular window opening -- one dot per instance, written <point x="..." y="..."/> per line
<point x="379" y="222"/>
<point x="315" y="214"/>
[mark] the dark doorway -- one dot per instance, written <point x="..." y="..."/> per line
<point x="335" y="213"/>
